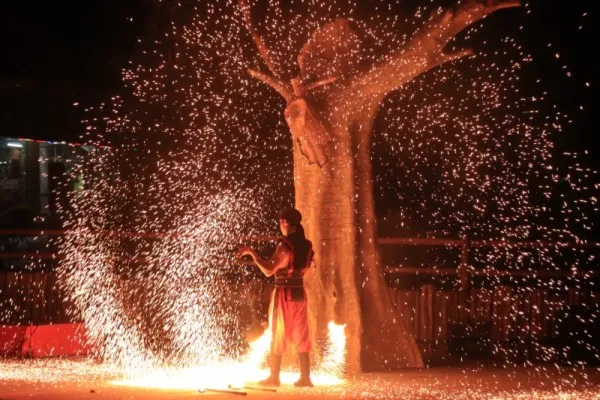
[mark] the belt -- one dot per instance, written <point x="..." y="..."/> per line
<point x="289" y="282"/>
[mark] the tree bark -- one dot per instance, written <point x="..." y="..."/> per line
<point x="386" y="344"/>
<point x="347" y="285"/>
<point x="326" y="197"/>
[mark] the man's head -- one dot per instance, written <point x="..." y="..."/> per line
<point x="289" y="220"/>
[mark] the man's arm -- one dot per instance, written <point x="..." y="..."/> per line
<point x="280" y="259"/>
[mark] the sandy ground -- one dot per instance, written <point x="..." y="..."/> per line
<point x="54" y="380"/>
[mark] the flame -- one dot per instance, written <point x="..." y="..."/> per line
<point x="334" y="357"/>
<point x="238" y="374"/>
<point x="258" y="351"/>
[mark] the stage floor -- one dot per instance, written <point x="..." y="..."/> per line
<point x="55" y="379"/>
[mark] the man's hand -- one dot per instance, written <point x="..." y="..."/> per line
<point x="268" y="267"/>
<point x="245" y="251"/>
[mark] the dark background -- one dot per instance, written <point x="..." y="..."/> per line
<point x="57" y="54"/>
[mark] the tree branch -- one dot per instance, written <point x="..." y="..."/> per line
<point x="260" y="45"/>
<point x="320" y="83"/>
<point x="284" y="89"/>
<point x="445" y="25"/>
<point x="455" y="55"/>
<point x="425" y="50"/>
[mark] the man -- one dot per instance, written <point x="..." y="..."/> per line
<point x="288" y="309"/>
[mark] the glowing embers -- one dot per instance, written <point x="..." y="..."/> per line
<point x="333" y="359"/>
<point x="249" y="371"/>
<point x="218" y="376"/>
<point x="214" y="376"/>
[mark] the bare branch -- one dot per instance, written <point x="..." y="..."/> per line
<point x="455" y="55"/>
<point x="282" y="87"/>
<point x="445" y="25"/>
<point x="319" y="83"/>
<point x="260" y="45"/>
<point x="426" y="49"/>
<point x="492" y="6"/>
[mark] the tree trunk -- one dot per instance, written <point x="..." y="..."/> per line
<point x="336" y="195"/>
<point x="347" y="286"/>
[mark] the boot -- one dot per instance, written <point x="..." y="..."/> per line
<point x="273" y="379"/>
<point x="304" y="380"/>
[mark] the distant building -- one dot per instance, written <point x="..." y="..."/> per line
<point x="31" y="173"/>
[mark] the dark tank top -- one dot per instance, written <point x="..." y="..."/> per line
<point x="290" y="278"/>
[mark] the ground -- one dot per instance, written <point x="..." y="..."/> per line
<point x="61" y="380"/>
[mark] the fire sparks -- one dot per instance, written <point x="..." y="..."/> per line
<point x="53" y="378"/>
<point x="464" y="150"/>
<point x="178" y="293"/>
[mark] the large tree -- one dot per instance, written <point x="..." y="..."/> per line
<point x="331" y="108"/>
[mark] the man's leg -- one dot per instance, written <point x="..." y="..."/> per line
<point x="304" y="381"/>
<point x="278" y="339"/>
<point x="275" y="366"/>
<point x="300" y="339"/>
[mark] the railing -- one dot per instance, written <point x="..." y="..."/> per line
<point x="501" y="319"/>
<point x="463" y="271"/>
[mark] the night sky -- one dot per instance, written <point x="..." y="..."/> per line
<point x="59" y="53"/>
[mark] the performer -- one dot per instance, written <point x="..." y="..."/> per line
<point x="288" y="317"/>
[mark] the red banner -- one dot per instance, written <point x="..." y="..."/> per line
<point x="40" y="341"/>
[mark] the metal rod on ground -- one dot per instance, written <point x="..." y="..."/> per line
<point x="231" y="391"/>
<point x="261" y="389"/>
